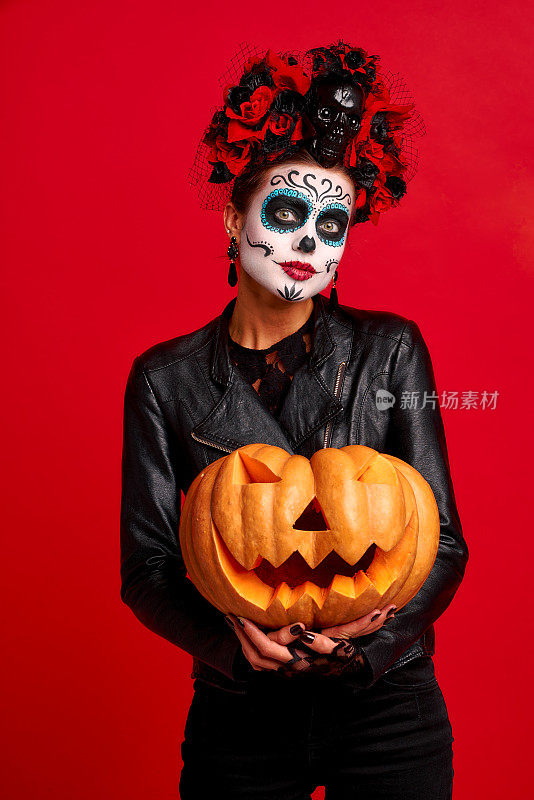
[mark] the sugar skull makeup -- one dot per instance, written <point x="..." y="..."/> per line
<point x="295" y="230"/>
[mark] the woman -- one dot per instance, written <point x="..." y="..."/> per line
<point x="298" y="154"/>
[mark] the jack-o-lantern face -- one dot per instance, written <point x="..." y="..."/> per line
<point x="278" y="538"/>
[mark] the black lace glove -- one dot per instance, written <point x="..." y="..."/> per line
<point x="347" y="657"/>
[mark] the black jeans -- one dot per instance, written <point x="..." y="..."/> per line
<point x="286" y="736"/>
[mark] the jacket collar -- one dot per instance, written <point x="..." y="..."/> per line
<point x="240" y="417"/>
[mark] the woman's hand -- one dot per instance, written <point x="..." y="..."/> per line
<point x="332" y="649"/>
<point x="269" y="650"/>
<point x="279" y="650"/>
<point x="359" y="627"/>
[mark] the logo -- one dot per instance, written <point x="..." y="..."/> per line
<point x="384" y="399"/>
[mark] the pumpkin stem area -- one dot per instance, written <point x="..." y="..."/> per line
<point x="295" y="571"/>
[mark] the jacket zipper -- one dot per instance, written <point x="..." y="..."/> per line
<point x="337" y="387"/>
<point x="211" y="444"/>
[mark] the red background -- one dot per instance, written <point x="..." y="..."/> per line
<point x="105" y="253"/>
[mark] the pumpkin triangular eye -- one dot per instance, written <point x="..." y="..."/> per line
<point x="250" y="470"/>
<point x="312" y="518"/>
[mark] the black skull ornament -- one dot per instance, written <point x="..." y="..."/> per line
<point x="334" y="107"/>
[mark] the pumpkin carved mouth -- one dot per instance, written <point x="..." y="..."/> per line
<point x="295" y="570"/>
<point x="279" y="538"/>
<point x="294" y="578"/>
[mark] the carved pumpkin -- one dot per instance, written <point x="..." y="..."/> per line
<point x="279" y="538"/>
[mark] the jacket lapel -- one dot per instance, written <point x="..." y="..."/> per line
<point x="240" y="417"/>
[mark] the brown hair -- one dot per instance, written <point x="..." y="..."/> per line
<point x="247" y="184"/>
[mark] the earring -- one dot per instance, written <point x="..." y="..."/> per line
<point x="232" y="253"/>
<point x="333" y="303"/>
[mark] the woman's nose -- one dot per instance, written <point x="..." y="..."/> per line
<point x="306" y="244"/>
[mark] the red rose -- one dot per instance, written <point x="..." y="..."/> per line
<point x="235" y="157"/>
<point x="287" y="76"/>
<point x="252" y="112"/>
<point x="254" y="109"/>
<point x="382" y="200"/>
<point x="280" y="124"/>
<point x="373" y="151"/>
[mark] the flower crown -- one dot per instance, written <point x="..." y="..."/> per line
<point x="272" y="108"/>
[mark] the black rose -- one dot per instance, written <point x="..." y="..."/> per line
<point x="259" y="76"/>
<point x="324" y="60"/>
<point x="362" y="214"/>
<point x="236" y="96"/>
<point x="288" y="102"/>
<point x="221" y="173"/>
<point x="396" y="186"/>
<point x="354" y="59"/>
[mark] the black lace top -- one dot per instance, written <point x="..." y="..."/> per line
<point x="271" y="371"/>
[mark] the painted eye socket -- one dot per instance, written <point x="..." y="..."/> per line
<point x="332" y="224"/>
<point x="354" y="122"/>
<point x="285" y="210"/>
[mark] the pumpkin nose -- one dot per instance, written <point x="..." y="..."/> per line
<point x="312" y="518"/>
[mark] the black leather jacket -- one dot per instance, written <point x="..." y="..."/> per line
<point x="186" y="405"/>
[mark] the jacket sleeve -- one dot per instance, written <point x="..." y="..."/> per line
<point x="154" y="582"/>
<point x="417" y="436"/>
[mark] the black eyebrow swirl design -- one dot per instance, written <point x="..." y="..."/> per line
<point x="337" y="195"/>
<point x="290" y="181"/>
<point x="311" y="188"/>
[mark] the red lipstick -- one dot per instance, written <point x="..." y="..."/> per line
<point x="298" y="270"/>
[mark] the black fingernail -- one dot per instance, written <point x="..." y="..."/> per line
<point x="306" y="648"/>
<point x="390" y="612"/>
<point x="343" y="650"/>
<point x="375" y="616"/>
<point x="307" y="637"/>
<point x="295" y="629"/>
<point x="240" y="622"/>
<point x="230" y="623"/>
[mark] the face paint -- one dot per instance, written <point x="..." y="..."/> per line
<point x="295" y="230"/>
